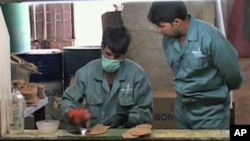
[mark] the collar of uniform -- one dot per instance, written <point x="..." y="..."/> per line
<point x="121" y="74"/>
<point x="193" y="29"/>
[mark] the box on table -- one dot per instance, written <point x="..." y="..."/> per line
<point x="164" y="106"/>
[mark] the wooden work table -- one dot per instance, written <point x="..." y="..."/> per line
<point x="116" y="134"/>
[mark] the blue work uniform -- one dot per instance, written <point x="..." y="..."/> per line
<point x="205" y="69"/>
<point x="131" y="93"/>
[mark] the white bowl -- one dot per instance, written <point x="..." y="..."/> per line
<point x="47" y="126"/>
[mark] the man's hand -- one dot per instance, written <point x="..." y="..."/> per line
<point x="79" y="116"/>
<point x="115" y="121"/>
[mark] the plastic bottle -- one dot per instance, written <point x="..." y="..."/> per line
<point x="17" y="107"/>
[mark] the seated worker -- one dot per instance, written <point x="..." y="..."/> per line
<point x="117" y="90"/>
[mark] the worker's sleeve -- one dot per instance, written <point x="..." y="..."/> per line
<point x="225" y="58"/>
<point x="73" y="96"/>
<point x="141" y="112"/>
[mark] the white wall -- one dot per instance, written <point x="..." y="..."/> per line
<point x="5" y="78"/>
<point x="88" y="22"/>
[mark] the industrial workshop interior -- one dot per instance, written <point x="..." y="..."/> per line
<point x="44" y="43"/>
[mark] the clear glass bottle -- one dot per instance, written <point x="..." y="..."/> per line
<point x="17" y="107"/>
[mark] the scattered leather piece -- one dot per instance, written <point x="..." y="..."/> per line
<point x="129" y="135"/>
<point x="98" y="129"/>
<point x="139" y="130"/>
<point x="145" y="125"/>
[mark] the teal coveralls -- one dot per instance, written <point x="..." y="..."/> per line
<point x="205" y="69"/>
<point x="131" y="93"/>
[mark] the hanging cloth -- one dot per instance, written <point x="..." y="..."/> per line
<point x="239" y="27"/>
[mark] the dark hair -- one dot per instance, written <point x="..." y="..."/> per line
<point x="166" y="11"/>
<point x="117" y="39"/>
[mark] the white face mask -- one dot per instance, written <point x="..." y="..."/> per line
<point x="110" y="65"/>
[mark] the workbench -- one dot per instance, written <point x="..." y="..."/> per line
<point x="116" y="134"/>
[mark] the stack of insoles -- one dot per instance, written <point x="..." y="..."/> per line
<point x="29" y="91"/>
<point x="98" y="129"/>
<point x="32" y="92"/>
<point x="138" y="131"/>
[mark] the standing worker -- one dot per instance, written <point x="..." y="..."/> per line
<point x="117" y="90"/>
<point x="205" y="66"/>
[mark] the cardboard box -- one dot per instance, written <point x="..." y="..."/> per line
<point x="164" y="105"/>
